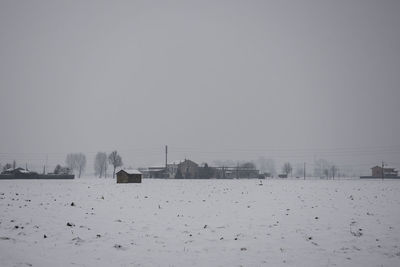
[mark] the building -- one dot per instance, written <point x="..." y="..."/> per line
<point x="17" y="171"/>
<point x="187" y="170"/>
<point x="20" y="173"/>
<point x="237" y="172"/>
<point x="62" y="170"/>
<point x="157" y="172"/>
<point x="387" y="172"/>
<point x="129" y="176"/>
<point x="379" y="172"/>
<point x="172" y="168"/>
<point x="160" y="171"/>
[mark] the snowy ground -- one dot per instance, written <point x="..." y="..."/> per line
<point x="200" y="222"/>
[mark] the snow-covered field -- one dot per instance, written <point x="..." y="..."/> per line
<point x="200" y="222"/>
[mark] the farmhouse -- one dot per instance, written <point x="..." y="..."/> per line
<point x="187" y="170"/>
<point x="129" y="176"/>
<point x="379" y="172"/>
<point x="387" y="172"/>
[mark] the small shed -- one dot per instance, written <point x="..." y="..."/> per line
<point x="129" y="176"/>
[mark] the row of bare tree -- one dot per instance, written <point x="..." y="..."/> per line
<point x="77" y="162"/>
<point x="322" y="169"/>
<point x="101" y="162"/>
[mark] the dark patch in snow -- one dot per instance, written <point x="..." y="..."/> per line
<point x="78" y="240"/>
<point x="119" y="247"/>
<point x="5" y="238"/>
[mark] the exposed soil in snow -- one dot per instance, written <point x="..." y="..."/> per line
<point x="96" y="222"/>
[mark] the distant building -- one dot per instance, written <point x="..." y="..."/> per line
<point x="387" y="172"/>
<point x="157" y="172"/>
<point x="161" y="171"/>
<point x="237" y="172"/>
<point x="379" y="172"/>
<point x="129" y="176"/>
<point x="18" y="170"/>
<point x="62" y="170"/>
<point x="187" y="170"/>
<point x="21" y="173"/>
<point x="145" y="172"/>
<point x="172" y="168"/>
<point x="283" y="175"/>
<point x="264" y="175"/>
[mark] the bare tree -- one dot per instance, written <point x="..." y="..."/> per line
<point x="320" y="166"/>
<point x="326" y="173"/>
<point x="299" y="170"/>
<point x="7" y="166"/>
<point x="271" y="166"/>
<point x="100" y="164"/>
<point x="115" y="160"/>
<point x="57" y="169"/>
<point x="287" y="168"/>
<point x="77" y="162"/>
<point x="70" y="161"/>
<point x="105" y="166"/>
<point x="333" y="171"/>
<point x="81" y="163"/>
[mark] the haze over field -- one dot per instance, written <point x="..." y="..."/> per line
<point x="215" y="80"/>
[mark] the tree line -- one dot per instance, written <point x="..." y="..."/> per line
<point x="76" y="162"/>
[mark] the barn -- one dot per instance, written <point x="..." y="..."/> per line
<point x="129" y="176"/>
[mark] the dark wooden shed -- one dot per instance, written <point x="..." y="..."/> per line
<point x="129" y="176"/>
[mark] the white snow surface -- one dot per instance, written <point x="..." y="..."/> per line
<point x="200" y="223"/>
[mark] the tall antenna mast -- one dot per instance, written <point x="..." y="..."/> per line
<point x="166" y="157"/>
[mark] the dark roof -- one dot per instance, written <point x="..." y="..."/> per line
<point x="130" y="171"/>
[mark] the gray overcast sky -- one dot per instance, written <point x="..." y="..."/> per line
<point x="212" y="79"/>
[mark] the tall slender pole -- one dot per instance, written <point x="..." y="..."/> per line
<point x="166" y="157"/>
<point x="44" y="169"/>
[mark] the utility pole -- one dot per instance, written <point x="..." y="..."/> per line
<point x="304" y="170"/>
<point x="166" y="157"/>
<point x="44" y="167"/>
